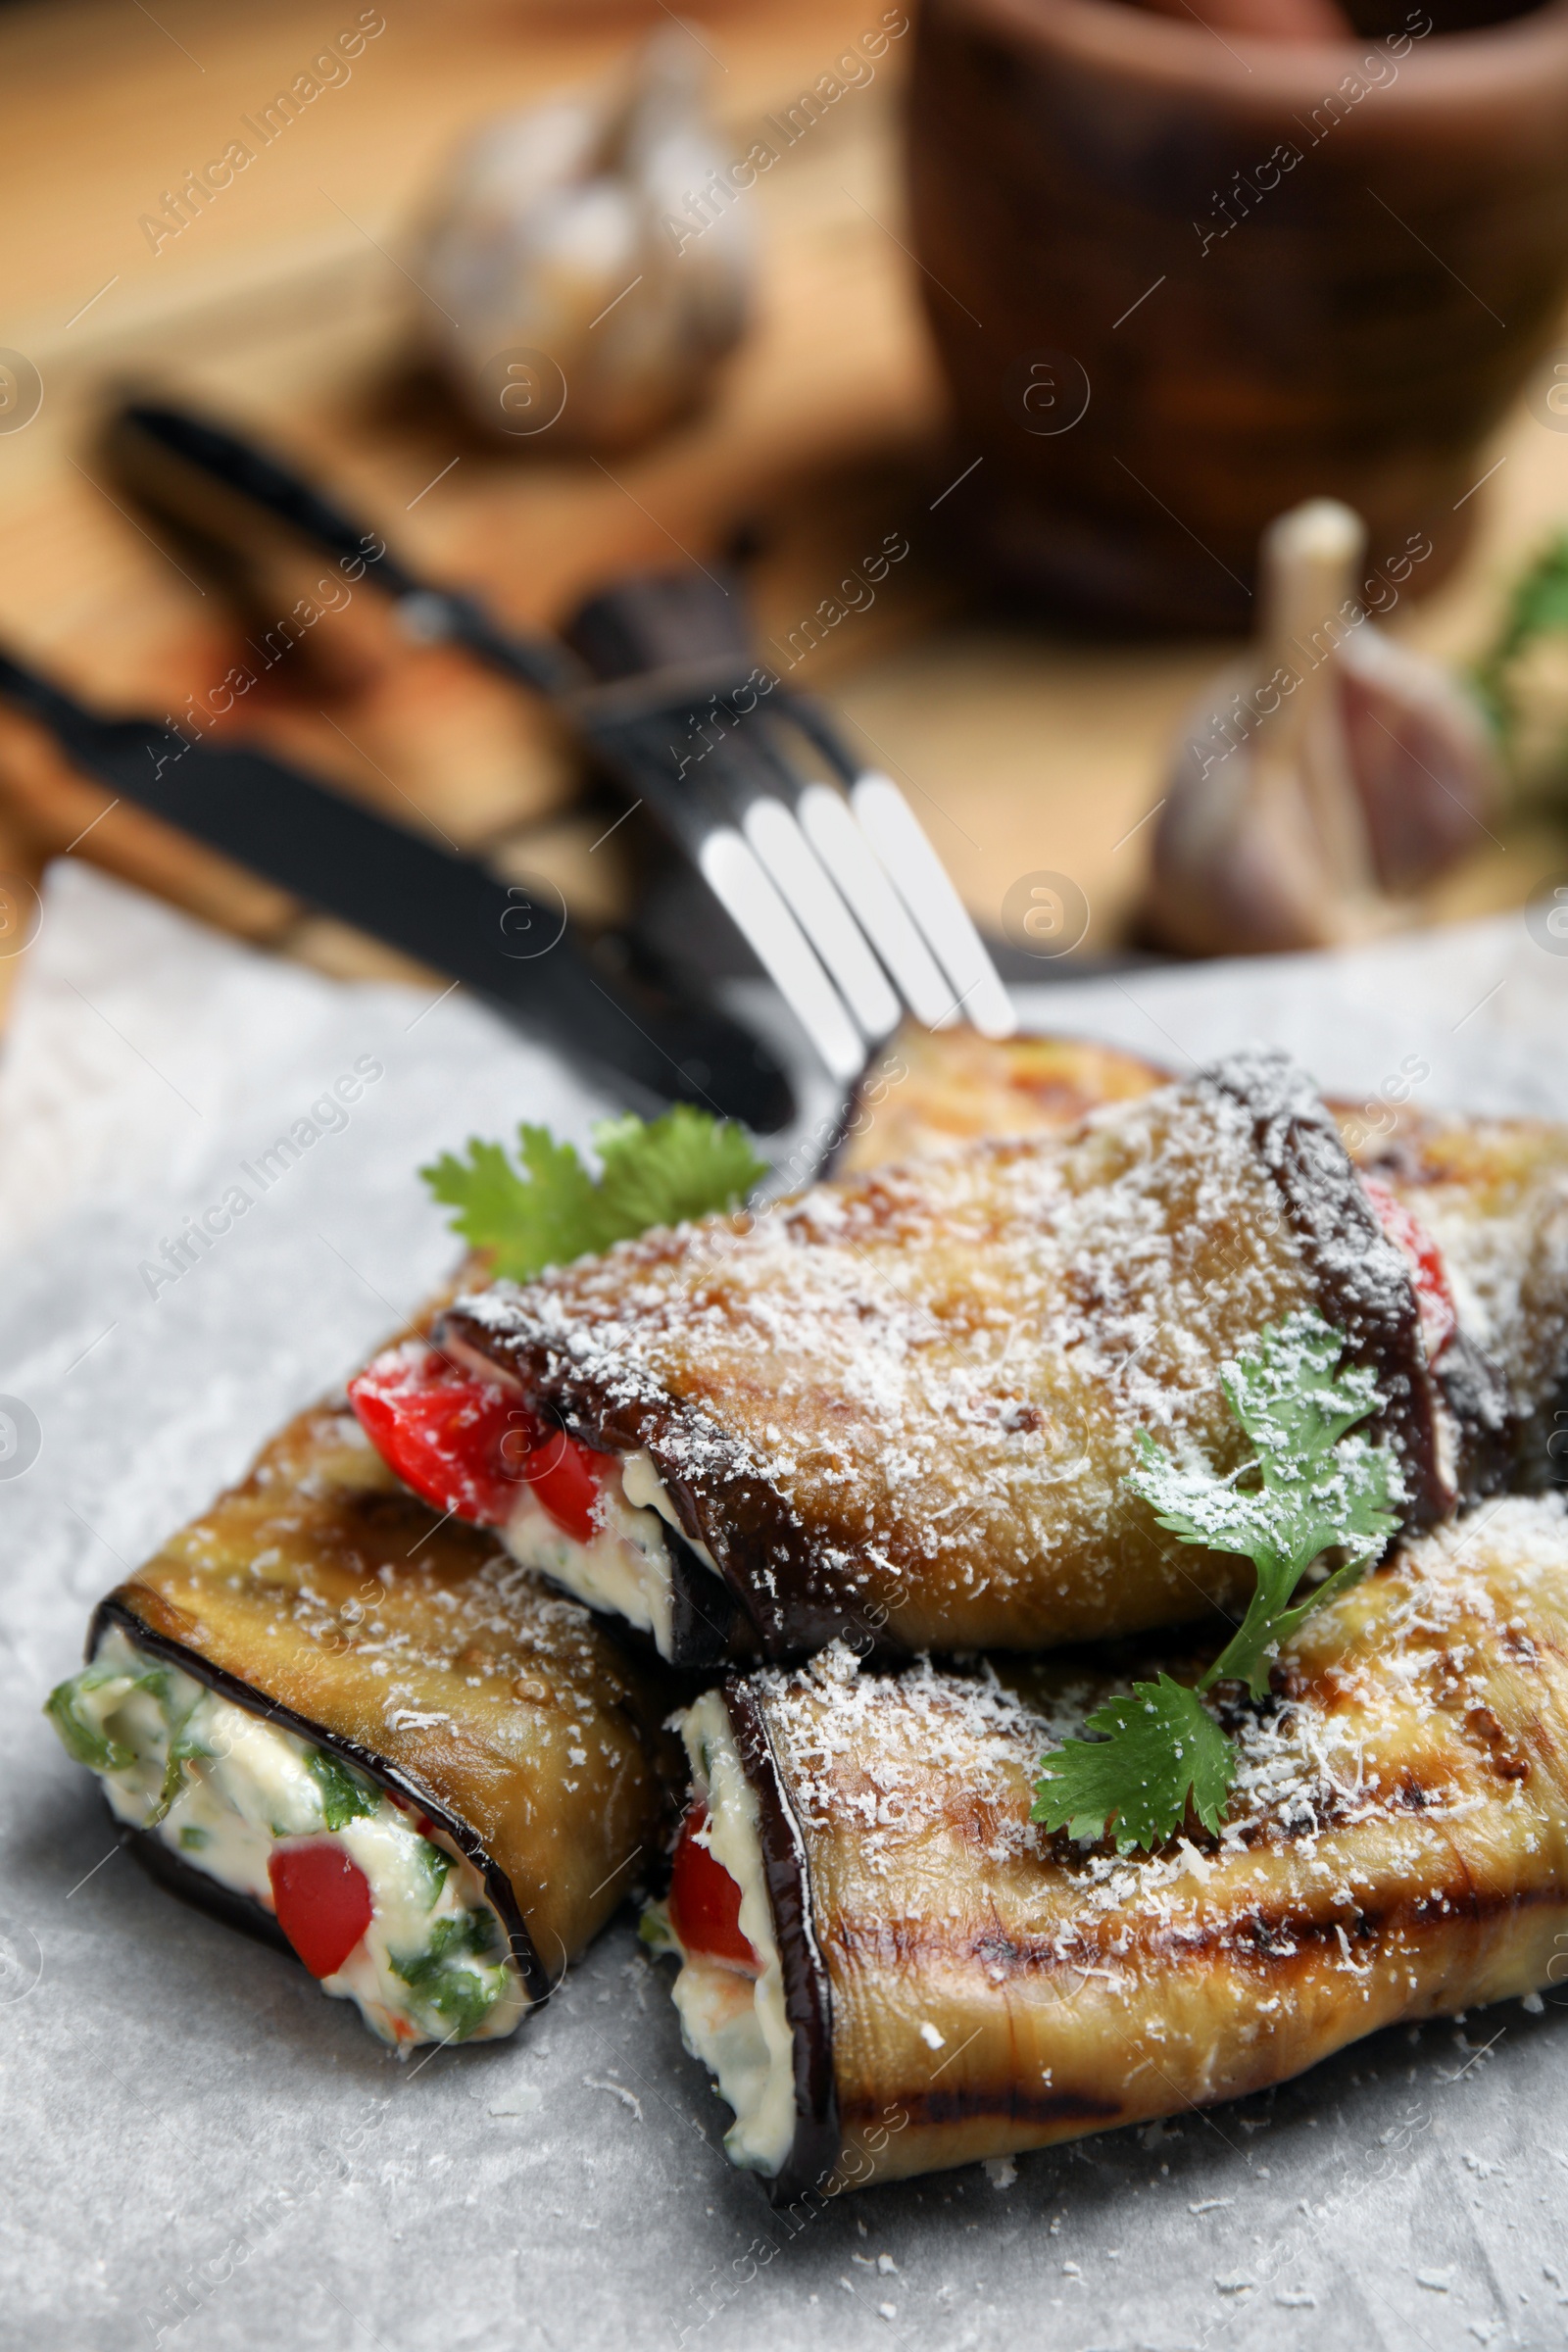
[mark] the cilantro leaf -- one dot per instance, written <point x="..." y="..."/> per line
<point x="680" y="1166"/>
<point x="1157" y="1744"/>
<point x="543" y="1217"/>
<point x="1314" y="1485"/>
<point x="1317" y="1488"/>
<point x="549" y="1210"/>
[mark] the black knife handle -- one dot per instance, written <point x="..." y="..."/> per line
<point x="215" y="481"/>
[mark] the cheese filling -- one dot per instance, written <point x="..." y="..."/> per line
<point x="227" y="1791"/>
<point x="627" y="1568"/>
<point x="734" y="2023"/>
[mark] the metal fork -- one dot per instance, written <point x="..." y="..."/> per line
<point x="820" y="863"/>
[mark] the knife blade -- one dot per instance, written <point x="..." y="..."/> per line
<point x="513" y="948"/>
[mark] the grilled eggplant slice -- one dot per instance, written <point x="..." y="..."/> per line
<point x="910" y="1974"/>
<point x="930" y="1090"/>
<point x="373" y="1737"/>
<point x="901" y="1409"/>
<point x="1491" y="1194"/>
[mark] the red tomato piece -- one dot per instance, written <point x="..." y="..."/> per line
<point x="322" y="1901"/>
<point x="1440" y="1318"/>
<point x="457" y="1441"/>
<point x="704" y="1902"/>
<point x="564" y="1476"/>
<point x="464" y="1444"/>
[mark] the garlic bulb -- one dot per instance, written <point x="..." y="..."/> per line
<point x="601" y="236"/>
<point x="1323" y="780"/>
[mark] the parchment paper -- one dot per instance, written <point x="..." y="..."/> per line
<point x="199" y="2150"/>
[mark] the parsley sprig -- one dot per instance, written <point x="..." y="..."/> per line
<point x="546" y="1207"/>
<point x="1312" y="1487"/>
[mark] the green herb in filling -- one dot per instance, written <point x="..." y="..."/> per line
<point x="435" y="1862"/>
<point x="653" y="1928"/>
<point x="344" y="1796"/>
<point x="82" y="1738"/>
<point x="462" y="1997"/>
<point x="193" y="1840"/>
<point x="184" y="1747"/>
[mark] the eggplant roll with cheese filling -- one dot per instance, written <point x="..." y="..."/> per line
<point x="1488" y="1197"/>
<point x="373" y="1740"/>
<point x="889" y="1967"/>
<point x="901" y="1407"/>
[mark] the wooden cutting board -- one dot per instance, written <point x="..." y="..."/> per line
<point x="286" y="305"/>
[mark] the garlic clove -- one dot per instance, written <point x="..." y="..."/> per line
<point x="569" y="230"/>
<point x="1424" y="761"/>
<point x="1322" y="779"/>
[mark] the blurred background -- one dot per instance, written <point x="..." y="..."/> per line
<point x="983" y="343"/>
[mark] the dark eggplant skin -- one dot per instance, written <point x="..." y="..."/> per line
<point x="1297" y="1139"/>
<point x="709" y="1628"/>
<point x="807" y="1993"/>
<point x="320" y="1594"/>
<point x="178" y="1877"/>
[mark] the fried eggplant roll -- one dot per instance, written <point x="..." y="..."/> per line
<point x="374" y="1740"/>
<point x="889" y="1967"/>
<point x="901" y="1407"/>
<point x="1485" y="1200"/>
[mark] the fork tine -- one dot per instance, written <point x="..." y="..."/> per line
<point x="830" y="828"/>
<point x="926" y="887"/>
<point x="787" y="855"/>
<point x="730" y="868"/>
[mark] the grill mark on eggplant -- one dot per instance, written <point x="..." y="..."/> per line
<point x="807" y="1990"/>
<point x="498" y="1886"/>
<point x="1273" y="1940"/>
